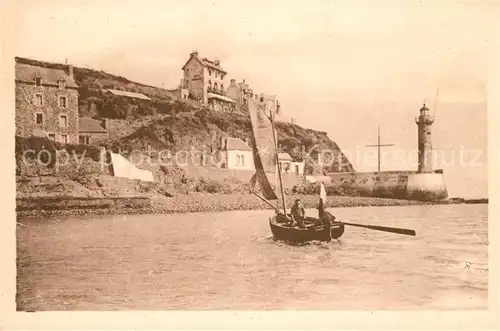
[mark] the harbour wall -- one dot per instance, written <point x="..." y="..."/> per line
<point x="391" y="184"/>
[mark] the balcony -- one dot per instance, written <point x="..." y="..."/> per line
<point x="216" y="91"/>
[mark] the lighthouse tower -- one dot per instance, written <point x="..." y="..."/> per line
<point x="424" y="122"/>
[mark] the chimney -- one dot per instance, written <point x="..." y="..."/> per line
<point x="217" y="62"/>
<point x="194" y="53"/>
<point x="70" y="71"/>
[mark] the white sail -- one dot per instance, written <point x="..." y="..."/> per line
<point x="322" y="200"/>
<point x="322" y="193"/>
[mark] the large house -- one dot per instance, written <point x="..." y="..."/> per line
<point x="241" y="93"/>
<point x="204" y="79"/>
<point x="46" y="102"/>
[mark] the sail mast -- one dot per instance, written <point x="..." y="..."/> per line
<point x="277" y="161"/>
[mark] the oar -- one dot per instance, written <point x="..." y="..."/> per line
<point x="407" y="232"/>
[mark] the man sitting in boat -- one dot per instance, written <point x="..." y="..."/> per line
<point x="298" y="213"/>
<point x="324" y="217"/>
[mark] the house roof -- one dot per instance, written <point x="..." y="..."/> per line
<point x="284" y="157"/>
<point x="236" y="144"/>
<point x="220" y="97"/>
<point x="205" y="62"/>
<point x="27" y="73"/>
<point x="90" y="125"/>
<point x="212" y="65"/>
<point x="129" y="94"/>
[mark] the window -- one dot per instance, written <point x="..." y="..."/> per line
<point x="52" y="136"/>
<point x="84" y="140"/>
<point x="62" y="84"/>
<point x="222" y="87"/>
<point x="245" y="101"/>
<point x="209" y="72"/>
<point x="64" y="138"/>
<point x="261" y="99"/>
<point x="38" y="81"/>
<point x="240" y="160"/>
<point x="209" y="84"/>
<point x="63" y="102"/>
<point x="39" y="118"/>
<point x="38" y="99"/>
<point x="63" y="121"/>
<point x="187" y="72"/>
<point x="215" y="86"/>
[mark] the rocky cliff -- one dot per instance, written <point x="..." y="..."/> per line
<point x="166" y="122"/>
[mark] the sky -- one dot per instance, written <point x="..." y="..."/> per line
<point x="343" y="67"/>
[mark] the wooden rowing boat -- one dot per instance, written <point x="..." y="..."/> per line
<point x="313" y="230"/>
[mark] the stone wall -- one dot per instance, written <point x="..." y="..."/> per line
<point x="392" y="184"/>
<point x="26" y="109"/>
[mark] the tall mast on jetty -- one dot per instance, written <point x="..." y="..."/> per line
<point x="378" y="145"/>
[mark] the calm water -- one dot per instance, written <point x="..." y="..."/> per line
<point x="229" y="261"/>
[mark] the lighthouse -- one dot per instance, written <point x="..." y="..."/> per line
<point x="424" y="123"/>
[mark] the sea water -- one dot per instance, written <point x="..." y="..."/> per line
<point x="229" y="260"/>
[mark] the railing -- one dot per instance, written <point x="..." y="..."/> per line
<point x="425" y="119"/>
<point x="216" y="91"/>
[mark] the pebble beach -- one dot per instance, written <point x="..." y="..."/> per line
<point x="205" y="202"/>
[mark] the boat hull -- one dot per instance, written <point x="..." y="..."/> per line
<point x="311" y="232"/>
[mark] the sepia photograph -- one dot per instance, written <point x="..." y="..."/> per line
<point x="251" y="156"/>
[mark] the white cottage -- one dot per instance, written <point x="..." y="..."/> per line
<point x="238" y="155"/>
<point x="288" y="166"/>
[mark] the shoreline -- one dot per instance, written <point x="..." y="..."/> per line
<point x="56" y="206"/>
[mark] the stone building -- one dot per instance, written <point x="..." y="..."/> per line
<point x="46" y="101"/>
<point x="92" y="132"/>
<point x="204" y="79"/>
